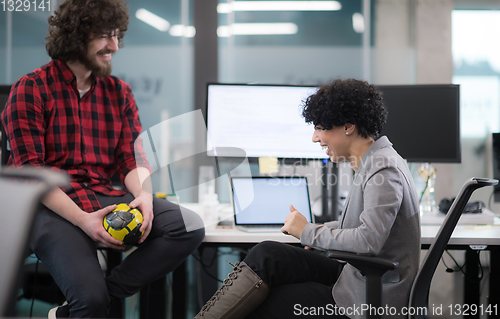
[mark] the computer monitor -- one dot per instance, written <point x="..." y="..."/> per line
<point x="424" y="122"/>
<point x="263" y="120"/>
<point x="266" y="121"/>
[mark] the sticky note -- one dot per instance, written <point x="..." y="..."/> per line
<point x="268" y="165"/>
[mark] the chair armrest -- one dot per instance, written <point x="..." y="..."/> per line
<point x="373" y="268"/>
<point x="366" y="264"/>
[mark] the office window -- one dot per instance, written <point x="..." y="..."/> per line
<point x="22" y="43"/>
<point x="302" y="44"/>
<point x="476" y="58"/>
<point x="312" y="46"/>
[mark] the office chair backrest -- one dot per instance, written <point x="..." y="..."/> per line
<point x="4" y="95"/>
<point x="419" y="296"/>
<point x="20" y="193"/>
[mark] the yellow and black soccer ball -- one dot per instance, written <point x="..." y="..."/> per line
<point x="123" y="223"/>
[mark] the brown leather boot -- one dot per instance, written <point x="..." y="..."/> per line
<point x="241" y="292"/>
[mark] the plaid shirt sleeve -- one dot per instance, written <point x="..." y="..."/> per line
<point x="129" y="153"/>
<point x="24" y="124"/>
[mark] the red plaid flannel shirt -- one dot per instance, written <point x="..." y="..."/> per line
<point x="91" y="138"/>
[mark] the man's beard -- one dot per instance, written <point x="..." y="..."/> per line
<point x="97" y="69"/>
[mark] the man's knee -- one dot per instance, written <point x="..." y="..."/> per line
<point x="192" y="239"/>
<point x="197" y="236"/>
<point x="193" y="223"/>
<point x="194" y="230"/>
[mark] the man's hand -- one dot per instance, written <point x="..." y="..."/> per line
<point x="294" y="223"/>
<point x="145" y="204"/>
<point x="91" y="224"/>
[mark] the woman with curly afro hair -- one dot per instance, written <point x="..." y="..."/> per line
<point x="380" y="218"/>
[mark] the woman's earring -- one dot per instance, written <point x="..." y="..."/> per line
<point x="346" y="133"/>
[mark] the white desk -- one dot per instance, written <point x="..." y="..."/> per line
<point x="463" y="234"/>
<point x="234" y="236"/>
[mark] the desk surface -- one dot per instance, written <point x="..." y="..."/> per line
<point x="463" y="234"/>
<point x="233" y="235"/>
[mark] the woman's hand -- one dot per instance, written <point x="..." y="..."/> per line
<point x="91" y="224"/>
<point x="294" y="223"/>
<point x="144" y="202"/>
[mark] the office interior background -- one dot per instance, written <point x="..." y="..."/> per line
<point x="381" y="41"/>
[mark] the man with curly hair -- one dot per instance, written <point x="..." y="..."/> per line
<point x="71" y="115"/>
<point x="380" y="218"/>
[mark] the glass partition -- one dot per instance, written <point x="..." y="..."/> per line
<point x="301" y="44"/>
<point x="155" y="62"/>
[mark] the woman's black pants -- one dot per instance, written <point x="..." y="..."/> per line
<point x="300" y="281"/>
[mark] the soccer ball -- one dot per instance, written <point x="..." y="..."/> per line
<point x="123" y="223"/>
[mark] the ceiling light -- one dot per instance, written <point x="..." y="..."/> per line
<point x="152" y="19"/>
<point x="257" y="29"/>
<point x="179" y="30"/>
<point x="358" y="23"/>
<point x="279" y="6"/>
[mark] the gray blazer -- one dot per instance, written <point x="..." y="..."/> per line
<point x="380" y="218"/>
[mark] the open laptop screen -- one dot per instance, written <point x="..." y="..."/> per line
<point x="260" y="200"/>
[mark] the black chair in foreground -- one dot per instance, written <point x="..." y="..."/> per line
<point x="20" y="193"/>
<point x="373" y="268"/>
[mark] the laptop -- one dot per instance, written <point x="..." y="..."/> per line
<point x="261" y="203"/>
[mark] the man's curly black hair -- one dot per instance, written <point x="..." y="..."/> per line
<point x="74" y="21"/>
<point x="347" y="101"/>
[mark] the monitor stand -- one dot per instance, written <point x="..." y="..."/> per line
<point x="329" y="191"/>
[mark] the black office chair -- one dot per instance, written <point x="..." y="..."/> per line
<point x="373" y="268"/>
